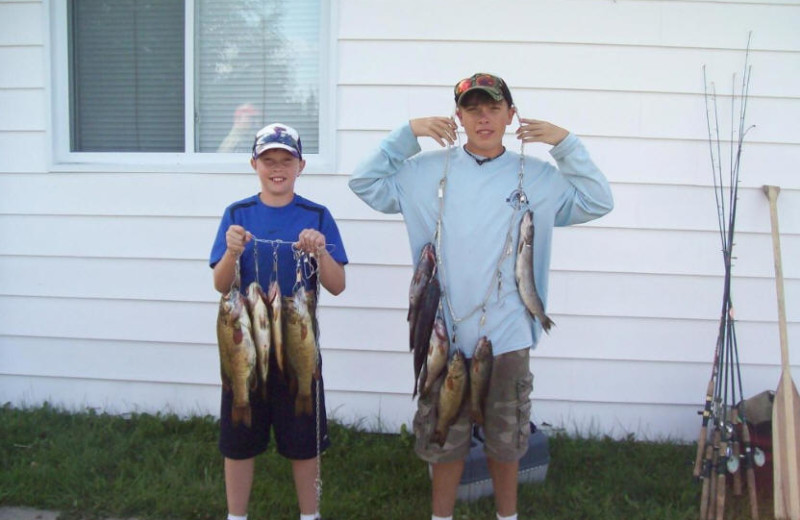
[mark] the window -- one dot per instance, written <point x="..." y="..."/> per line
<point x="195" y="78"/>
<point x="256" y="61"/>
<point x="127" y="84"/>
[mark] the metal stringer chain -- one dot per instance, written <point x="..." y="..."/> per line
<point x="300" y="273"/>
<point x="255" y="259"/>
<point x="312" y="270"/>
<point x="517" y="199"/>
<point x="318" y="412"/>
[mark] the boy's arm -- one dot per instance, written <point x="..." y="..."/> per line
<point x="225" y="270"/>
<point x="535" y="131"/>
<point x="586" y="194"/>
<point x="331" y="272"/>
<point x="440" y="129"/>
<point x="373" y="180"/>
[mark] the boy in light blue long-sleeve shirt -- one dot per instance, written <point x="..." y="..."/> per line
<point x="468" y="194"/>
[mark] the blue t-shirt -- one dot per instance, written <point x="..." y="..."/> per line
<point x="276" y="223"/>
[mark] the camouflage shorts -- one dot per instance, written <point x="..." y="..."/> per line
<point x="507" y="423"/>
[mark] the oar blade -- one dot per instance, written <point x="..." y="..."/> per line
<point x="786" y="408"/>
<point x="786" y="450"/>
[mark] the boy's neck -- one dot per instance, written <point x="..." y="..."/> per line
<point x="275" y="201"/>
<point x="489" y="154"/>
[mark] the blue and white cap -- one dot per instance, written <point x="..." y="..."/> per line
<point x="278" y="135"/>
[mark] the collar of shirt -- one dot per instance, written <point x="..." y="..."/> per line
<point x="481" y="160"/>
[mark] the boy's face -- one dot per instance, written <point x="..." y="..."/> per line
<point x="485" y="121"/>
<point x="277" y="170"/>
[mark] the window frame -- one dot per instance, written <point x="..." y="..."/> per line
<point x="62" y="159"/>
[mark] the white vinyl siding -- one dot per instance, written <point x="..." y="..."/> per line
<point x="106" y="297"/>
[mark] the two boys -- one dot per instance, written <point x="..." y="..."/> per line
<point x="466" y="200"/>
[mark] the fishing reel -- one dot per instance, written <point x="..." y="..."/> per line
<point x="733" y="463"/>
<point x="733" y="460"/>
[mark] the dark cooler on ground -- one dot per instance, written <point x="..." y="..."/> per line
<point x="476" y="481"/>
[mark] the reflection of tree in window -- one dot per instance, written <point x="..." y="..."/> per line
<point x="257" y="64"/>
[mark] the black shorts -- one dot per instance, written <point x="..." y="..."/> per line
<point x="295" y="436"/>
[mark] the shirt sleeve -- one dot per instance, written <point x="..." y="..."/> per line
<point x="586" y="194"/>
<point x="334" y="238"/>
<point x="374" y="179"/>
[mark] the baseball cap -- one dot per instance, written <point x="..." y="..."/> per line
<point x="489" y="83"/>
<point x="278" y="135"/>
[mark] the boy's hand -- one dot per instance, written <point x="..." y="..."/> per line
<point x="441" y="129"/>
<point x="535" y="131"/>
<point x="311" y="241"/>
<point x="235" y="239"/>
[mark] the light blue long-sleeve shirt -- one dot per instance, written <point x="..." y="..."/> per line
<point x="396" y="178"/>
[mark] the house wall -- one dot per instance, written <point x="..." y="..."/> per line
<point x="106" y="298"/>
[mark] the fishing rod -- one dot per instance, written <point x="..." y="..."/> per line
<point x="714" y="462"/>
<point x="708" y="412"/>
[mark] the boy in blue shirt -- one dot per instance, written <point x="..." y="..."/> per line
<point x="279" y="215"/>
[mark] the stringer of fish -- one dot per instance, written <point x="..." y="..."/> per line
<point x="451" y="396"/>
<point x="237" y="354"/>
<point x="523" y="272"/>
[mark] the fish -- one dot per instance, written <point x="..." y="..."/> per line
<point x="438" y="349"/>
<point x="301" y="349"/>
<point x="423" y="273"/>
<point x="237" y="354"/>
<point x="480" y="373"/>
<point x="421" y="335"/>
<point x="262" y="335"/>
<point x="451" y="396"/>
<point x="274" y="304"/>
<point x="523" y="273"/>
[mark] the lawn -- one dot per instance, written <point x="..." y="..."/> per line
<point x="90" y="465"/>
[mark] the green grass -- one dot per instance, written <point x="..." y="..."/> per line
<point x="90" y="465"/>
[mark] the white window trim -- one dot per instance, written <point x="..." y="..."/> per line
<point x="63" y="160"/>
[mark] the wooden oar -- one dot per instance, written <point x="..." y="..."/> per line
<point x="786" y="407"/>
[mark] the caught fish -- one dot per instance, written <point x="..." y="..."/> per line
<point x="451" y="396"/>
<point x="480" y="372"/>
<point x="423" y="326"/>
<point x="301" y="349"/>
<point x="523" y="273"/>
<point x="422" y="275"/>
<point x="275" y="302"/>
<point x="438" y="349"/>
<point x="237" y="354"/>
<point x="262" y="335"/>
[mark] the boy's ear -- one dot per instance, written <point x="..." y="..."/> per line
<point x="253" y="163"/>
<point x="511" y="111"/>
<point x="302" y="166"/>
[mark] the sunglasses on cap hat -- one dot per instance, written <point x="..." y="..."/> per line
<point x="489" y="83"/>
